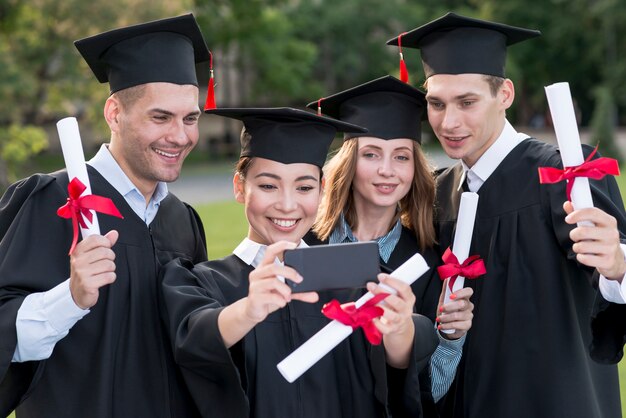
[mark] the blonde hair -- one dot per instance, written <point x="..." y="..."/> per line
<point x="416" y="208"/>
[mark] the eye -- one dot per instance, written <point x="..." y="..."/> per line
<point x="403" y="158"/>
<point x="190" y="120"/>
<point x="369" y="154"/>
<point x="160" y="118"/>
<point x="435" y="105"/>
<point x="305" y="189"/>
<point x="267" y="187"/>
<point x="466" y="103"/>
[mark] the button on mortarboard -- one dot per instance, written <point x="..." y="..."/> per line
<point x="455" y="44"/>
<point x="386" y="106"/>
<point x="286" y="135"/>
<point x="164" y="50"/>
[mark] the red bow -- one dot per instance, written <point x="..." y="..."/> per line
<point x="79" y="207"/>
<point x="358" y="317"/>
<point x="594" y="169"/>
<point x="471" y="268"/>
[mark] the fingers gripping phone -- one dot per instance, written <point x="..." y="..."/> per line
<point x="336" y="266"/>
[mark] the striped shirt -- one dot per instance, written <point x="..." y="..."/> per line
<point x="386" y="244"/>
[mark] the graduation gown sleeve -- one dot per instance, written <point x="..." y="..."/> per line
<point x="21" y="224"/>
<point x="192" y="302"/>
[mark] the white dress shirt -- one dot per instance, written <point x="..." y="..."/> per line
<point x="44" y="318"/>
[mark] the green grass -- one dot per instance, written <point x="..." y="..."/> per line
<point x="225" y="226"/>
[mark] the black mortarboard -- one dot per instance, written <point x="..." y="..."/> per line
<point x="164" y="50"/>
<point x="286" y="135"/>
<point x="387" y="107"/>
<point x="454" y="44"/>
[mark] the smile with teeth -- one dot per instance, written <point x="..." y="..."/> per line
<point x="455" y="138"/>
<point x="385" y="186"/>
<point x="284" y="223"/>
<point x="166" y="154"/>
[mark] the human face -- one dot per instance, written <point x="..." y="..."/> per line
<point x="281" y="200"/>
<point x="464" y="115"/>
<point x="152" y="136"/>
<point x="384" y="171"/>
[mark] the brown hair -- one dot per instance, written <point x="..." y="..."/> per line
<point x="493" y="81"/>
<point x="416" y="208"/>
<point x="127" y="97"/>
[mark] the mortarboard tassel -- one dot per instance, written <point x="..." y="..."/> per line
<point x="319" y="107"/>
<point x="210" y="95"/>
<point x="404" y="74"/>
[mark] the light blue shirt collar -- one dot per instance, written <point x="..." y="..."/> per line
<point x="108" y="168"/>
<point x="386" y="244"/>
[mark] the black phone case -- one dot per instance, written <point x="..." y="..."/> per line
<point x="337" y="266"/>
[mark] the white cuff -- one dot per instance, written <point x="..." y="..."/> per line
<point x="612" y="290"/>
<point x="60" y="309"/>
<point x="42" y="320"/>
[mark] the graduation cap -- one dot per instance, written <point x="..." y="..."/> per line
<point x="454" y="44"/>
<point x="386" y="106"/>
<point x="163" y="50"/>
<point x="286" y="135"/>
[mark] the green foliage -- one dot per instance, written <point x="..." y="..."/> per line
<point x="17" y="144"/>
<point x="603" y="123"/>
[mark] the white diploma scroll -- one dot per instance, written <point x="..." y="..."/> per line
<point x="566" y="129"/>
<point x="309" y="353"/>
<point x="75" y="163"/>
<point x="462" y="240"/>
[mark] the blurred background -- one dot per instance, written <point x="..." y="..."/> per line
<point x="291" y="52"/>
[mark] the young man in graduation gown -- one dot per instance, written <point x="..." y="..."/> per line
<point x="527" y="353"/>
<point x="232" y="320"/>
<point x="81" y="335"/>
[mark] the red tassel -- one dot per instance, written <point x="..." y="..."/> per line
<point x="210" y="95"/>
<point x="319" y="107"/>
<point x="404" y="73"/>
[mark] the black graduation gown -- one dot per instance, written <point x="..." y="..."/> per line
<point x="527" y="353"/>
<point x="243" y="381"/>
<point x="426" y="290"/>
<point x="116" y="361"/>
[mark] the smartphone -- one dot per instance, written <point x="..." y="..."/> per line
<point x="336" y="266"/>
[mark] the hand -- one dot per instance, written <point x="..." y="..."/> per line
<point x="396" y="324"/>
<point x="599" y="245"/>
<point x="456" y="314"/>
<point x="92" y="265"/>
<point x="266" y="293"/>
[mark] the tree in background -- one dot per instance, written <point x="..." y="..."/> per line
<point x="43" y="78"/>
<point x="290" y="52"/>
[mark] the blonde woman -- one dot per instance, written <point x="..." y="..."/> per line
<point x="380" y="186"/>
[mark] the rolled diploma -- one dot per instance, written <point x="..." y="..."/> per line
<point x="566" y="129"/>
<point x="462" y="239"/>
<point x="72" y="148"/>
<point x="309" y="353"/>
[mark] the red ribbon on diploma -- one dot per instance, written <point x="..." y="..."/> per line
<point x="358" y="317"/>
<point x="79" y="207"/>
<point x="471" y="268"/>
<point x="593" y="169"/>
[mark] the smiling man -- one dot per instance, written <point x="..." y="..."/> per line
<point x="81" y="334"/>
<point x="527" y="353"/>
